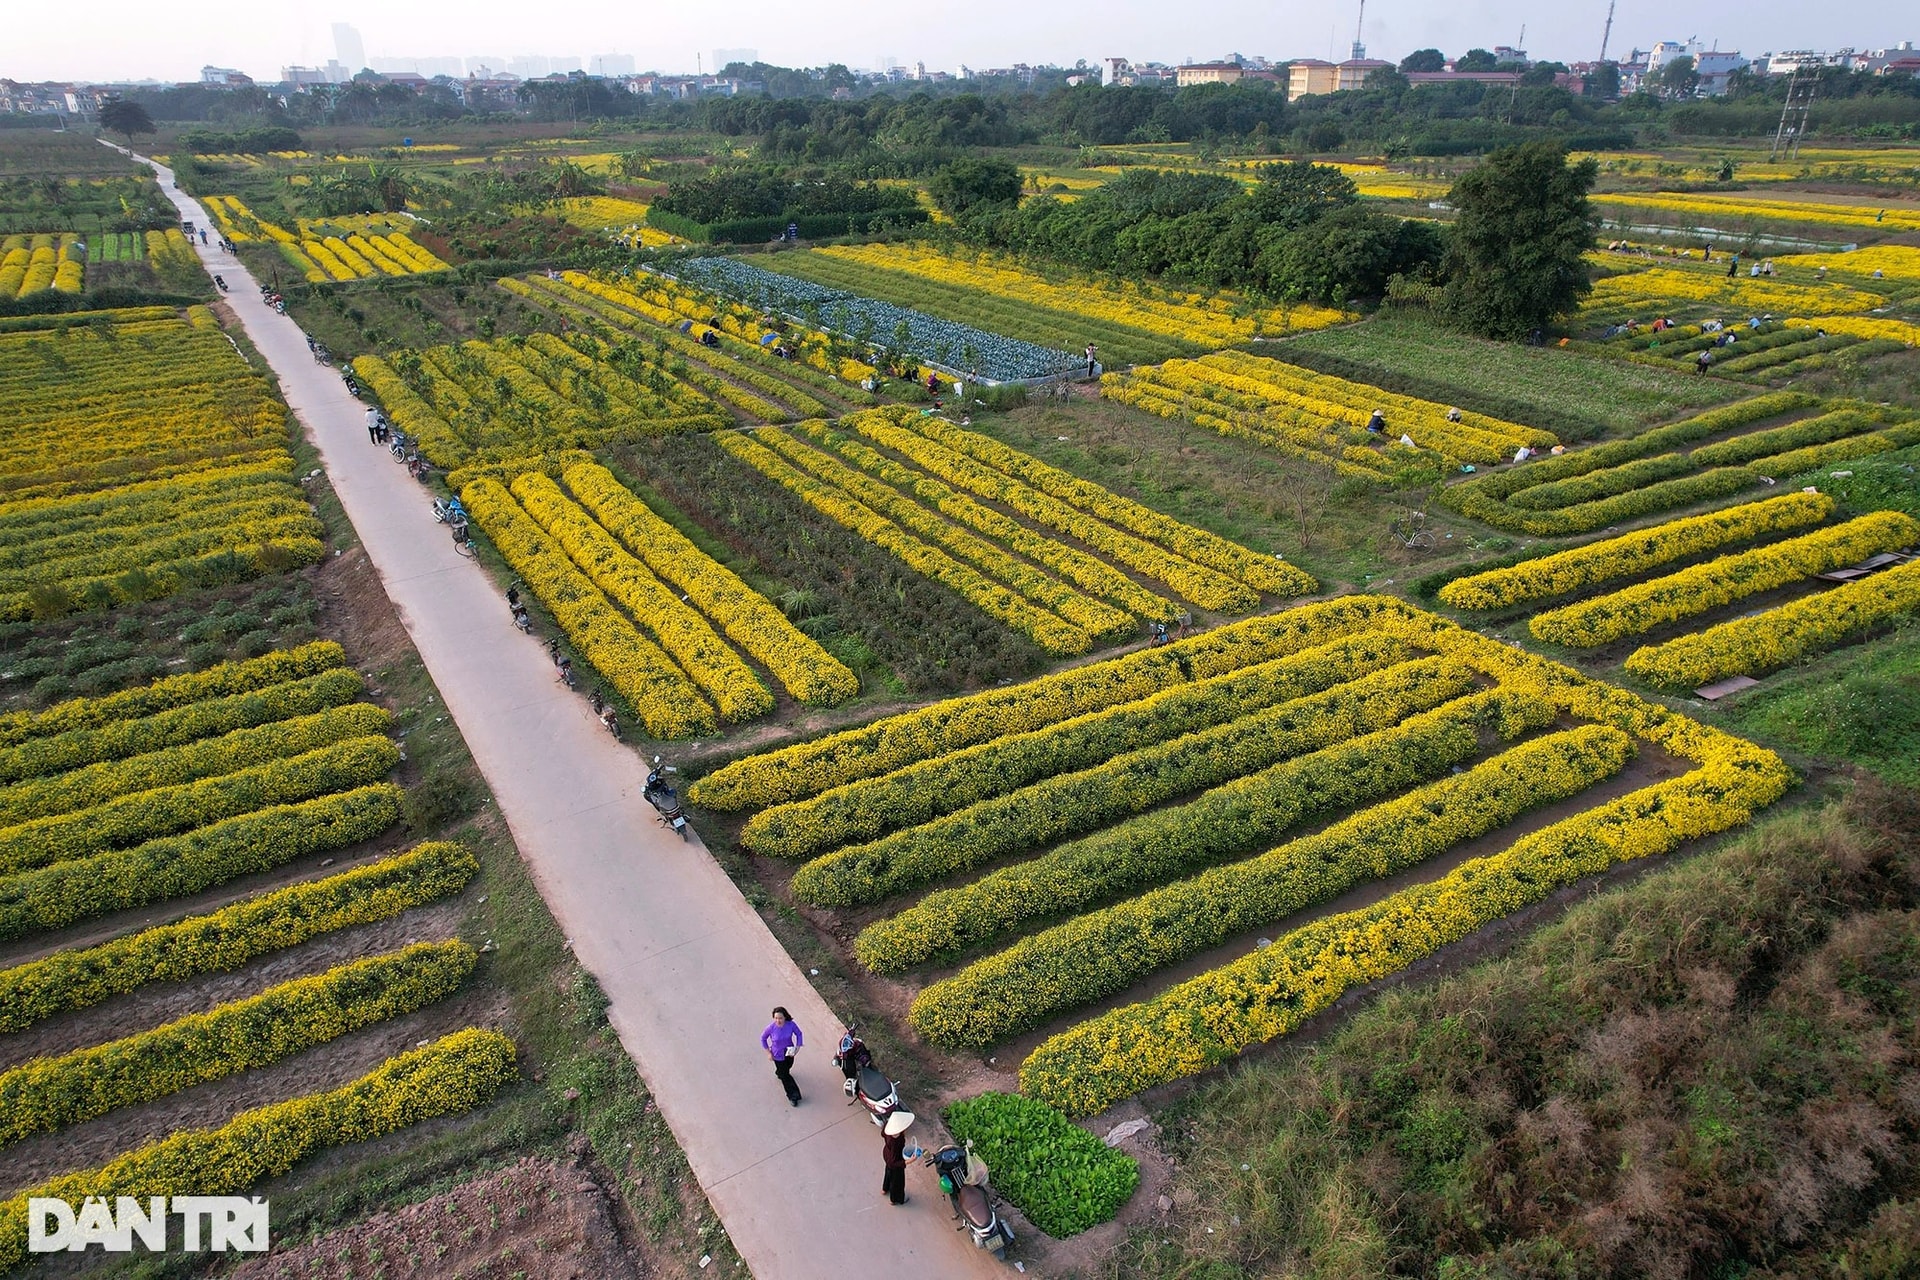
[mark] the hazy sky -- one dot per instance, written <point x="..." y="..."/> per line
<point x="113" y="39"/>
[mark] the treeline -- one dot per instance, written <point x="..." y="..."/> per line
<point x="1300" y="232"/>
<point x="745" y="204"/>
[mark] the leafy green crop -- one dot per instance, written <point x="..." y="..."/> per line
<point x="1062" y="1177"/>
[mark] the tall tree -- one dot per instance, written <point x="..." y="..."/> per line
<point x="1424" y="60"/>
<point x="1514" y="263"/>
<point x="117" y="115"/>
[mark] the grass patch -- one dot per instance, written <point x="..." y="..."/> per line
<point x="1678" y="1078"/>
<point x="1860" y="704"/>
<point x="1575" y="396"/>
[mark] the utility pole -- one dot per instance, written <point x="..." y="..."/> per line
<point x="1801" y="86"/>
<point x="1607" y="33"/>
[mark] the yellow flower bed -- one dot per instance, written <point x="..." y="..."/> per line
<point x="809" y="768"/>
<point x="1735" y="206"/>
<point x="927" y="789"/>
<point x="1196" y="582"/>
<point x="1188" y="316"/>
<point x="1893" y="261"/>
<point x="1106" y="951"/>
<point x="598" y="213"/>
<point x="1741" y="294"/>
<point x="1098" y="619"/>
<point x="1867" y="327"/>
<point x="1268" y="574"/>
<point x="1077" y="567"/>
<point x="749" y="619"/>
<point x="1722" y="581"/>
<point x="229" y="938"/>
<point x="1753" y="646"/>
<point x="53" y="1093"/>
<point x="1051" y="632"/>
<point x="678" y="629"/>
<point x="1633" y="553"/>
<point x="456" y="1073"/>
<point x="668" y="704"/>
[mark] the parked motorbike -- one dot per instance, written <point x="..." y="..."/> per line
<point x="666" y="802"/>
<point x="963" y="1176"/>
<point x="865" y="1083"/>
<point x="448" y="510"/>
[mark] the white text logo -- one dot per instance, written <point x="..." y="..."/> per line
<point x="225" y="1222"/>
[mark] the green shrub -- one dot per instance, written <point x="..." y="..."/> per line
<point x="1062" y="1177"/>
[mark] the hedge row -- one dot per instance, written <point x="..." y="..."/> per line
<point x="1647" y="605"/>
<point x="1210" y="1019"/>
<point x="174" y="691"/>
<point x="56" y="896"/>
<point x="1105" y="952"/>
<point x="48" y="1094"/>
<point x="192" y="761"/>
<point x="39" y="757"/>
<point x="456" y="1073"/>
<point x="1069" y="804"/>
<point x="911" y="795"/>
<point x="1222" y="823"/>
<point x="148" y="815"/>
<point x="1633" y="553"/>
<point x="1761" y="444"/>
<point x="232" y="936"/>
<point x="1765" y="641"/>
<point x="808" y="768"/>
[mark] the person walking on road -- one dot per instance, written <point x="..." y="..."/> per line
<point x="373" y="425"/>
<point x="893" y="1151"/>
<point x="782" y="1041"/>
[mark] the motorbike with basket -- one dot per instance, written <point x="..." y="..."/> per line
<point x="665" y="800"/>
<point x="963" y="1177"/>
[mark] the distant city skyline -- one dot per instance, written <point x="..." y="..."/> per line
<point x="122" y="40"/>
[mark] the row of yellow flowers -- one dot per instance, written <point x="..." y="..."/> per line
<point x="931" y="788"/>
<point x="1077" y="567"/>
<point x="1633" y="553"/>
<point x="95" y="782"/>
<point x="1271" y="575"/>
<point x="224" y="940"/>
<point x="53" y="1093"/>
<point x="1355" y="761"/>
<point x="1892" y="261"/>
<point x="454" y="1074"/>
<point x="1174" y="391"/>
<point x="1758" y="644"/>
<point x="1104" y="952"/>
<point x="1658" y="288"/>
<point x="1126" y="542"/>
<point x="1722" y="581"/>
<point x="805" y="669"/>
<point x="1210" y="1019"/>
<point x="678" y="628"/>
<point x="668" y="704"/>
<point x="1191" y="317"/>
<point x="1863" y="217"/>
<point x="1098" y="619"/>
<point x="809" y="768"/>
<point x="1048" y="630"/>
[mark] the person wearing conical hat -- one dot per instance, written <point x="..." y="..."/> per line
<point x="893" y="1151"/>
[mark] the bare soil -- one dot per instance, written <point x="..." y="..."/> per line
<point x="536" y="1219"/>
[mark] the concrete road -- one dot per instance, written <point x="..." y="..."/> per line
<point x="691" y="969"/>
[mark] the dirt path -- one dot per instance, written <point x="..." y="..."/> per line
<point x="690" y="968"/>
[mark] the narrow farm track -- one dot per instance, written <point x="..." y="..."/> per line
<point x="690" y="968"/>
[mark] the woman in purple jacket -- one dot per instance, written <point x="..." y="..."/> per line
<point x="782" y="1040"/>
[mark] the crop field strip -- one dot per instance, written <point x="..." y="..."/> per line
<point x="32" y="263"/>
<point x="927" y="510"/>
<point x="1315" y="416"/>
<point x="740" y="374"/>
<point x="324" y="258"/>
<point x="179" y="754"/>
<point x="1773" y="353"/>
<point x="1607" y="484"/>
<point x="1130" y="325"/>
<point x="953" y="344"/>
<point x="497" y="401"/>
<point x="671" y="629"/>
<point x="147" y="457"/>
<point x="1122" y="809"/>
